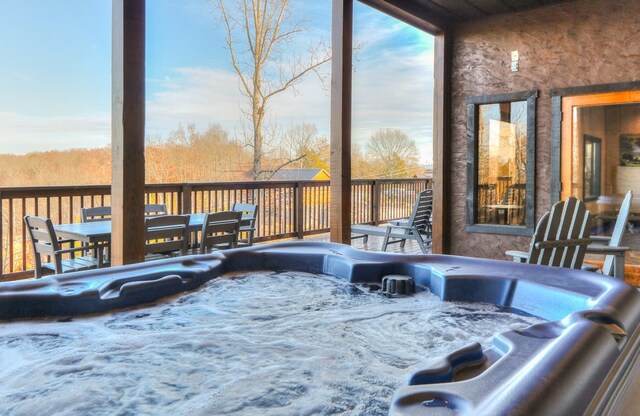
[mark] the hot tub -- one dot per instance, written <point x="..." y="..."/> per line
<point x="584" y="360"/>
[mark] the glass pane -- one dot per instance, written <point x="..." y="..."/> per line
<point x="502" y="161"/>
<point x="606" y="164"/>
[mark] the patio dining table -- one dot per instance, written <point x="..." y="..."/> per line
<point x="100" y="231"/>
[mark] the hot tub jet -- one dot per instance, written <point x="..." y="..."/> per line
<point x="398" y="284"/>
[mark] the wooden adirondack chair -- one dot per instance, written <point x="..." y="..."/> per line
<point x="417" y="227"/>
<point x="561" y="236"/>
<point x="610" y="245"/>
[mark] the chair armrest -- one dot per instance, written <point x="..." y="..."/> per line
<point x="601" y="239"/>
<point x="407" y="227"/>
<point x="518" y="256"/>
<point x="606" y="250"/>
<point x="403" y="222"/>
<point x="562" y="243"/>
<point x="390" y="227"/>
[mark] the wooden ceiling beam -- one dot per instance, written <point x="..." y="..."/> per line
<point x="413" y="13"/>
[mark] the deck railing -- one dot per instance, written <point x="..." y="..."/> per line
<point x="287" y="209"/>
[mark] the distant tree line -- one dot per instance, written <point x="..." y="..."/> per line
<point x="210" y="155"/>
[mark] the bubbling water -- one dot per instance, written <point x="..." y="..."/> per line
<point x="258" y="343"/>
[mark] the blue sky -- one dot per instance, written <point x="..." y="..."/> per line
<point x="55" y="80"/>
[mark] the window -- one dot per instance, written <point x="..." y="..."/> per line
<point x="592" y="163"/>
<point x="501" y="163"/>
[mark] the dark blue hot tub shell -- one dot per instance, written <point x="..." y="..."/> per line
<point x="585" y="360"/>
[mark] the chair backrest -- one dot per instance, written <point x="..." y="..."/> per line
<point x="421" y="214"/>
<point x="562" y="235"/>
<point x="104" y="213"/>
<point x="220" y="229"/>
<point x="96" y="214"/>
<point x="44" y="242"/>
<point x="618" y="231"/>
<point x="166" y="233"/>
<point x="155" y="209"/>
<point x="249" y="212"/>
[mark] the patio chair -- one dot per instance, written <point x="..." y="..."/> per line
<point x="155" y="209"/>
<point x="417" y="227"/>
<point x="561" y="236"/>
<point x="96" y="214"/>
<point x="104" y="213"/>
<point x="609" y="246"/>
<point x="166" y="236"/>
<point x="248" y="223"/>
<point x="220" y="231"/>
<point x="45" y="242"/>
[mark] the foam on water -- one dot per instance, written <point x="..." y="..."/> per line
<point x="261" y="343"/>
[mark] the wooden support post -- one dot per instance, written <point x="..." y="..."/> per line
<point x="342" y="45"/>
<point x="2" y="235"/>
<point x="127" y="131"/>
<point x="299" y="207"/>
<point x="185" y="206"/>
<point x="375" y="202"/>
<point x="441" y="139"/>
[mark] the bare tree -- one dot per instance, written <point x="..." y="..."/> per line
<point x="258" y="36"/>
<point x="394" y="151"/>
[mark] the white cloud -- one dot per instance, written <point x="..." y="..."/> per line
<point x="194" y="95"/>
<point x="20" y="134"/>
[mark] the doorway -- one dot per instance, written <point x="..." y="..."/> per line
<point x="600" y="159"/>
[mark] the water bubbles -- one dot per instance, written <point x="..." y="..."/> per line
<point x="257" y="343"/>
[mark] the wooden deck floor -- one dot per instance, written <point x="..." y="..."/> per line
<point x="375" y="244"/>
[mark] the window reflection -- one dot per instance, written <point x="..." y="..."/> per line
<point x="502" y="160"/>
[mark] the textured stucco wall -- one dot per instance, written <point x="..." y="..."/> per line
<point x="586" y="42"/>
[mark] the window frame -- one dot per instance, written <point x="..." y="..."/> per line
<point x="473" y="105"/>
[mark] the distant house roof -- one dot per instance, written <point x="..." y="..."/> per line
<point x="300" y="175"/>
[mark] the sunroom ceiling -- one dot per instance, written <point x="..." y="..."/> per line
<point x="434" y="15"/>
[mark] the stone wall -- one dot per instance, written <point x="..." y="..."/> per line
<point x="586" y="42"/>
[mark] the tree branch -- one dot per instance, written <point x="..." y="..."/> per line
<point x="226" y="18"/>
<point x="296" y="77"/>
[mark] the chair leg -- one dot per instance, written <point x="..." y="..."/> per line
<point x="385" y="242"/>
<point x="418" y="238"/>
<point x="404" y="241"/>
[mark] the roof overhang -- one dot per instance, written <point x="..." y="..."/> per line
<point x="435" y="16"/>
